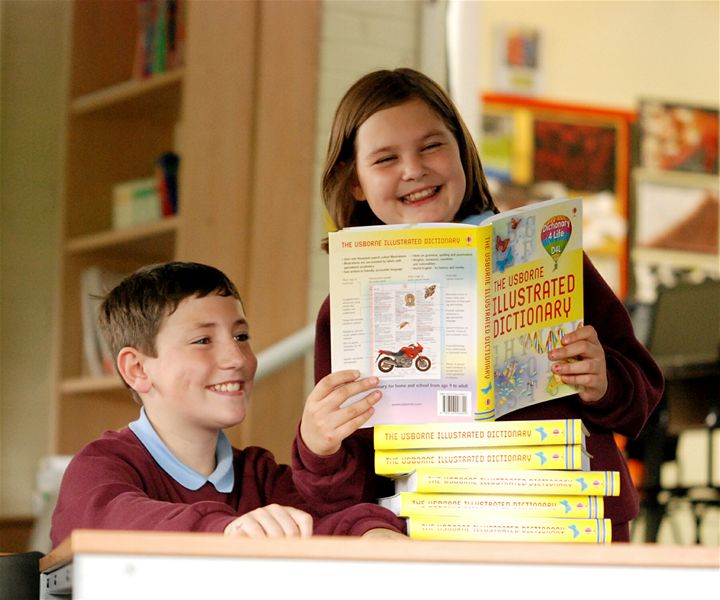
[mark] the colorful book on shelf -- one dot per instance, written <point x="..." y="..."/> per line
<point x="457" y="319"/>
<point x="509" y="529"/>
<point x="549" y="432"/>
<point x="444" y="480"/>
<point x="406" y="504"/>
<point x="396" y="462"/>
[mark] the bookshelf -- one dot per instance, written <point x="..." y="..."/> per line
<point x="236" y="112"/>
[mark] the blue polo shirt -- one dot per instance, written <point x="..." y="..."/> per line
<point x="223" y="477"/>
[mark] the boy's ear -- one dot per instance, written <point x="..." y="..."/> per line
<point x="130" y="364"/>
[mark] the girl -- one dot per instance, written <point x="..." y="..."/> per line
<point x="399" y="152"/>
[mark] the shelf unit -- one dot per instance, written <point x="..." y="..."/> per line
<point x="215" y="112"/>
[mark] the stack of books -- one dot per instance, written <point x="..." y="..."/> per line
<point x="495" y="481"/>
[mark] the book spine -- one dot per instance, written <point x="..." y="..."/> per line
<point x="394" y="462"/>
<point x="485" y="406"/>
<point x="492" y="529"/>
<point x="484" y="481"/>
<point x="549" y="432"/>
<point x="410" y="504"/>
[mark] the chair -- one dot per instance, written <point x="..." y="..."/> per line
<point x="20" y="576"/>
<point x="684" y="338"/>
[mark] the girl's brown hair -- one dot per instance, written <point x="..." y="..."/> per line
<point x="377" y="91"/>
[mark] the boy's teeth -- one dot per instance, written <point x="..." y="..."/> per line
<point x="227" y="387"/>
<point x="420" y="195"/>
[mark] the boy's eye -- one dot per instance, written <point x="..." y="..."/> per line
<point x="202" y="341"/>
<point x="242" y="337"/>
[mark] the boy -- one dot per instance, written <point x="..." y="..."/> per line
<point x="179" y="333"/>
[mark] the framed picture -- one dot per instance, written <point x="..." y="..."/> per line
<point x="678" y="137"/>
<point x="675" y="231"/>
<point x="582" y="150"/>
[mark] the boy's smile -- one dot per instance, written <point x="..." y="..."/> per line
<point x="408" y="166"/>
<point x="203" y="373"/>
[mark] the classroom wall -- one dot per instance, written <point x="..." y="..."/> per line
<point x="31" y="72"/>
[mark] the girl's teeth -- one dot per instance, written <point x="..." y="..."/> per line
<point x="420" y="195"/>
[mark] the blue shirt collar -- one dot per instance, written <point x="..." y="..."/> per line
<point x="478" y="219"/>
<point x="223" y="477"/>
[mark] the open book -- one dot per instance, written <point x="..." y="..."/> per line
<point x="457" y="320"/>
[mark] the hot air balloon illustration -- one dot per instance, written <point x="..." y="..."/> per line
<point x="554" y="235"/>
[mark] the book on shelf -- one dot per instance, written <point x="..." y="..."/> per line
<point x="509" y="529"/>
<point x="406" y="504"/>
<point x="446" y="480"/>
<point x="95" y="282"/>
<point x="397" y="462"/>
<point x="550" y="432"/>
<point x="160" y="44"/>
<point x="457" y="319"/>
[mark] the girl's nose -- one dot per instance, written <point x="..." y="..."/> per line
<point x="413" y="167"/>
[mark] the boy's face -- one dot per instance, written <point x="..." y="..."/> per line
<point x="204" y="369"/>
<point x="408" y="166"/>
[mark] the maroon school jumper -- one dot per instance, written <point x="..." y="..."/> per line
<point x="635" y="385"/>
<point x="114" y="483"/>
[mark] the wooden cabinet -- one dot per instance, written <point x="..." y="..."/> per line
<point x="241" y="114"/>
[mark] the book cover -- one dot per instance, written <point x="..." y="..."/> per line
<point x="396" y="462"/>
<point x="95" y="282"/>
<point x="509" y="529"/>
<point x="506" y="481"/>
<point x="407" y="504"/>
<point x="548" y="432"/>
<point x="456" y="320"/>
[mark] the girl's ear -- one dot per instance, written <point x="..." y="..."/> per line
<point x="357" y="192"/>
<point x="130" y="364"/>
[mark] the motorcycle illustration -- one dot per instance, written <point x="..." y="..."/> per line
<point x="388" y="360"/>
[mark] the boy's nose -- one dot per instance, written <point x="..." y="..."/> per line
<point x="232" y="355"/>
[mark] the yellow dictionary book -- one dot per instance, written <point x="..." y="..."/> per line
<point x="550" y="432"/>
<point x="395" y="462"/>
<point x="408" y="504"/>
<point x="488" y="481"/>
<point x="508" y="529"/>
<point x="457" y="319"/>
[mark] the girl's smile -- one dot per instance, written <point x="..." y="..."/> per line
<point x="408" y="166"/>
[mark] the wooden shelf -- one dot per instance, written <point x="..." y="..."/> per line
<point x="151" y="232"/>
<point x="91" y="385"/>
<point x="135" y="97"/>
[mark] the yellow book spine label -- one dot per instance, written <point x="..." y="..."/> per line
<point x="495" y="433"/>
<point x="486" y="481"/>
<point x="411" y="503"/>
<point x="494" y="529"/>
<point x="393" y="462"/>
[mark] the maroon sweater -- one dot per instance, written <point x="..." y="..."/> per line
<point x="114" y="483"/>
<point x="635" y="385"/>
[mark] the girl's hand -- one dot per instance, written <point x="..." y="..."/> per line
<point x="324" y="424"/>
<point x="272" y="521"/>
<point x="581" y="362"/>
<point x="388" y="534"/>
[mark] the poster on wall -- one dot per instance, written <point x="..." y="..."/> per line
<point x="517" y="61"/>
<point x="575" y="150"/>
<point x="675" y="229"/>
<point x="678" y="137"/>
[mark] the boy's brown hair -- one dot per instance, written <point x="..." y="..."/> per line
<point x="376" y="91"/>
<point x="133" y="311"/>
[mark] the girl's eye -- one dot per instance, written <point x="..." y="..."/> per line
<point x="202" y="341"/>
<point x="242" y="337"/>
<point x="432" y="146"/>
<point x="384" y="159"/>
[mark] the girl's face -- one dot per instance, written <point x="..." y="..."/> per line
<point x="408" y="166"/>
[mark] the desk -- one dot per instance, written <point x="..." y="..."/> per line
<point x="137" y="565"/>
